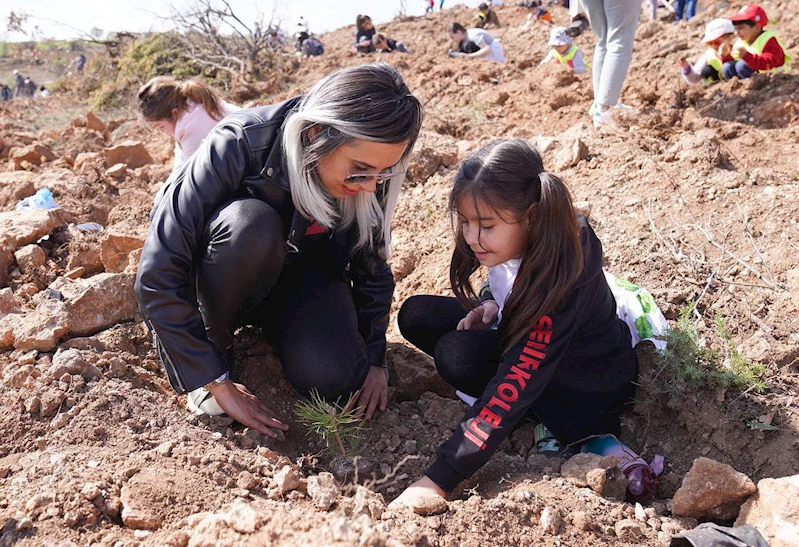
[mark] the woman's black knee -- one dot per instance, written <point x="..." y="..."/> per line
<point x="333" y="372"/>
<point x="249" y="226"/>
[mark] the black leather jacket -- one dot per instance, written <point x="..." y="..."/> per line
<point x="242" y="156"/>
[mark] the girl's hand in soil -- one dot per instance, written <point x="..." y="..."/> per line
<point x="482" y="317"/>
<point x="246" y="408"/>
<point x="374" y="393"/>
<point x="683" y="63"/>
<point x="423" y="488"/>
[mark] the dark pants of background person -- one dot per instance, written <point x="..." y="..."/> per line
<point x="684" y="6"/>
<point x="469" y="359"/>
<point x="304" y="306"/>
<point x="710" y="74"/>
<point x="740" y="69"/>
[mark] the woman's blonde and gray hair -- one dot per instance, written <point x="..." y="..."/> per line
<point x="367" y="102"/>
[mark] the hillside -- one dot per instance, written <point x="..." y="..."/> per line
<point x="694" y="193"/>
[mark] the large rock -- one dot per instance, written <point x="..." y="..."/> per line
<point x="15" y="186"/>
<point x="774" y="511"/>
<point x="7" y="303"/>
<point x="712" y="490"/>
<point x="131" y="153"/>
<point x="40" y="329"/>
<point x="18" y="228"/>
<point x="30" y="258"/>
<point x="98" y="302"/>
<point x="116" y="246"/>
<point x="96" y="124"/>
<point x="35" y="154"/>
<point x="89" y="161"/>
<point x="323" y="490"/>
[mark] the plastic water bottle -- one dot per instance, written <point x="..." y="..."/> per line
<point x="43" y="199"/>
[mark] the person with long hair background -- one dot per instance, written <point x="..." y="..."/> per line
<point x="186" y="111"/>
<point x="541" y="339"/>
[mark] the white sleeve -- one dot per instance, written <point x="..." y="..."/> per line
<point x="695" y="75"/>
<point x="549" y="57"/>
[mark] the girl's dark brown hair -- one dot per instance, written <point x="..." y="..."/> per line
<point x="360" y="20"/>
<point x="508" y="176"/>
<point x="163" y="94"/>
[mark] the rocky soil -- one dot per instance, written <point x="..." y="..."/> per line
<point x="693" y="193"/>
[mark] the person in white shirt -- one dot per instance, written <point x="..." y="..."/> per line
<point x="474" y="43"/>
<point x="186" y="111"/>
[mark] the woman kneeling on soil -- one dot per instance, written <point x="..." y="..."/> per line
<point x="186" y="111"/>
<point x="542" y="338"/>
<point x="282" y="219"/>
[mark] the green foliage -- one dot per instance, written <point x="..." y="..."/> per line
<point x="700" y="365"/>
<point x="337" y="423"/>
<point x="156" y="55"/>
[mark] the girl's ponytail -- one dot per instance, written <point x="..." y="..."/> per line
<point x="551" y="263"/>
<point x="200" y="93"/>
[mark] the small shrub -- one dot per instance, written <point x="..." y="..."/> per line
<point x="700" y="366"/>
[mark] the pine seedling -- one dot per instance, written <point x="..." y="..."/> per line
<point x="338" y="424"/>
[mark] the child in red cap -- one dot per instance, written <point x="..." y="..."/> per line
<point x="757" y="49"/>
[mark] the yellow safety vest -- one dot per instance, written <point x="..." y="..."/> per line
<point x="757" y="47"/>
<point x="714" y="61"/>
<point x="565" y="59"/>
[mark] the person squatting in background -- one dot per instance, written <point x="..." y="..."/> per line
<point x="388" y="45"/>
<point x="708" y="68"/>
<point x="562" y="51"/>
<point x="5" y="93"/>
<point x="186" y="111"/>
<point x="614" y="23"/>
<point x="486" y="17"/>
<point x="756" y="49"/>
<point x="282" y="220"/>
<point x="541" y="338"/>
<point x="474" y="43"/>
<point x="365" y="31"/>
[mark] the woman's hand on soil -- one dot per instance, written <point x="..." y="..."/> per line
<point x="683" y="63"/>
<point x="246" y="408"/>
<point x="482" y="317"/>
<point x="422" y="488"/>
<point x="374" y="393"/>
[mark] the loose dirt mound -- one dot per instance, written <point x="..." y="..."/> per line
<point x="693" y="193"/>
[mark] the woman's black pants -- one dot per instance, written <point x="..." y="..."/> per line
<point x="305" y="307"/>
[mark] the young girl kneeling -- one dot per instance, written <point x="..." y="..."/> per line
<point x="541" y="337"/>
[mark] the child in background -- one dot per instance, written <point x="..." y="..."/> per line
<point x="542" y="338"/>
<point x="186" y="111"/>
<point x="474" y="43"/>
<point x="363" y="38"/>
<point x="757" y="49"/>
<point x="430" y="6"/>
<point x="708" y="68"/>
<point x="486" y="16"/>
<point x="388" y="45"/>
<point x="564" y="52"/>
